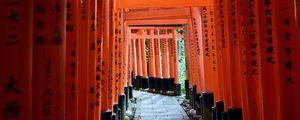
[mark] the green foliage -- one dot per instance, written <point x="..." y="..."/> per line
<point x="181" y="66"/>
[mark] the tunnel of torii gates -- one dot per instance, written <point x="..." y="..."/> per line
<point x="81" y="59"/>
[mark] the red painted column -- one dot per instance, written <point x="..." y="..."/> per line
<point x="83" y="61"/>
<point x="151" y="61"/>
<point x="158" y="72"/>
<point x="112" y="43"/>
<point x="124" y="52"/>
<point x="165" y="62"/>
<point x="49" y="60"/>
<point x="165" y="66"/>
<point x="175" y="52"/>
<point x="219" y="25"/>
<point x="130" y="57"/>
<point x="16" y="21"/>
<point x="177" y="85"/>
<point x="242" y="46"/>
<point x="196" y="51"/>
<point x="92" y="58"/>
<point x="288" y="53"/>
<point x="134" y="58"/>
<point x="253" y="60"/>
<point x="139" y="63"/>
<point x="269" y="55"/>
<point x="235" y="63"/>
<point x="106" y="100"/>
<point x="214" y="53"/>
<point x="151" y="55"/>
<point x="225" y="44"/>
<point x="171" y="55"/>
<point x="72" y="59"/>
<point x="115" y="48"/>
<point x="99" y="59"/>
<point x="144" y="63"/>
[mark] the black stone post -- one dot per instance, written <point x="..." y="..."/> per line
<point x="106" y="115"/>
<point x="235" y="113"/>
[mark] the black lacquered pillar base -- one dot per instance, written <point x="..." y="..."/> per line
<point x="198" y="103"/>
<point x="122" y="105"/>
<point x="177" y="90"/>
<point x="158" y="84"/>
<point x="106" y="115"/>
<point x="151" y="82"/>
<point x="165" y="85"/>
<point x="138" y="82"/>
<point x="126" y="90"/>
<point x="224" y="115"/>
<point x="171" y="83"/>
<point x="130" y="92"/>
<point x="208" y="100"/>
<point x="145" y="83"/>
<point x="214" y="113"/>
<point x="219" y="109"/>
<point x="194" y="92"/>
<point x="235" y="113"/>
<point x="187" y="90"/>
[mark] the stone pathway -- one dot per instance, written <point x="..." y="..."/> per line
<point x="149" y="106"/>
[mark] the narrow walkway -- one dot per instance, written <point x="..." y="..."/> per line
<point x="149" y="106"/>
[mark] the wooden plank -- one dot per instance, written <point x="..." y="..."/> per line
<point x="159" y="3"/>
<point x="157" y="14"/>
<point x="157" y="22"/>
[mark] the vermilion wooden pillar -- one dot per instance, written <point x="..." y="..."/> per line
<point x="151" y="60"/>
<point x="122" y="65"/>
<point x="241" y="16"/>
<point x="49" y="60"/>
<point x="187" y="62"/>
<point x="111" y="82"/>
<point x="134" y="61"/>
<point x="202" y="35"/>
<point x="72" y="59"/>
<point x="196" y="71"/>
<point x="214" y="53"/>
<point x="165" y="60"/>
<point x="253" y="60"/>
<point x="115" y="48"/>
<point x="187" y="73"/>
<point x="235" y="61"/>
<point x="139" y="63"/>
<point x="234" y="54"/>
<point x="205" y="47"/>
<point x="225" y="46"/>
<point x="288" y="53"/>
<point x="157" y="53"/>
<point x="196" y="58"/>
<point x="210" y="52"/>
<point x="217" y="60"/>
<point x="124" y="52"/>
<point x="83" y="47"/>
<point x="99" y="58"/>
<point x="16" y="21"/>
<point x="144" y="62"/>
<point x="171" y="61"/>
<point x="131" y="65"/>
<point x="188" y="44"/>
<point x="177" y="84"/>
<point x="269" y="57"/>
<point x="91" y="7"/>
<point x="106" y="100"/>
<point x="219" y="16"/>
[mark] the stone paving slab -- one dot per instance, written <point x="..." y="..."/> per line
<point x="151" y="106"/>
